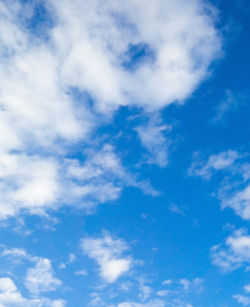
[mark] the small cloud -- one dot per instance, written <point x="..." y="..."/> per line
<point x="107" y="252"/>
<point x="81" y="273"/>
<point x="176" y="209"/>
<point x="243" y="300"/>
<point x="214" y="163"/>
<point x="41" y="277"/>
<point x="152" y="136"/>
<point x="230" y="103"/>
<point x="234" y="253"/>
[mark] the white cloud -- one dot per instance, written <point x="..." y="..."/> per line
<point x="234" y="191"/>
<point x="15" y="252"/>
<point x="10" y="296"/>
<point x="247" y="288"/>
<point x="229" y="102"/>
<point x="152" y="137"/>
<point x="81" y="273"/>
<point x="234" y="254"/>
<point x="95" y="47"/>
<point x="107" y="252"/>
<point x="196" y="284"/>
<point x="41" y="277"/>
<point x="239" y="201"/>
<point x="29" y="183"/>
<point x="167" y="282"/>
<point x="221" y="161"/>
<point x="152" y="303"/>
<point x="41" y="76"/>
<point x="243" y="300"/>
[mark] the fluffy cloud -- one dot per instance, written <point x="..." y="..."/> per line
<point x="99" y="51"/>
<point x="10" y="296"/>
<point x="62" y="77"/>
<point x="234" y="253"/>
<point x="39" y="278"/>
<point x="107" y="252"/>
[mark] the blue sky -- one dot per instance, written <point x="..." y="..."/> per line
<point x="124" y="153"/>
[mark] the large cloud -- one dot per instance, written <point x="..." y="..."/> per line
<point x="62" y="75"/>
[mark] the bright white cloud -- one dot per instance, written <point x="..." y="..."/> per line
<point x="46" y="75"/>
<point x="235" y="252"/>
<point x="10" y="297"/>
<point x="96" y="47"/>
<point x="108" y="253"/>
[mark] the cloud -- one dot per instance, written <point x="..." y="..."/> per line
<point x="10" y="296"/>
<point x="41" y="277"/>
<point x="152" y="303"/>
<point x="239" y="201"/>
<point x="95" y="49"/>
<point x="214" y="163"/>
<point x="107" y="252"/>
<point x="63" y="77"/>
<point x="234" y="190"/>
<point x="230" y="103"/>
<point x="153" y="139"/>
<point x="194" y="285"/>
<point x="243" y="300"/>
<point x="234" y="253"/>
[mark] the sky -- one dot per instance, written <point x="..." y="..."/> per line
<point x="124" y="153"/>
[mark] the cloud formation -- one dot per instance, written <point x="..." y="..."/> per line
<point x="234" y="253"/>
<point x="63" y="76"/>
<point x="108" y="253"/>
<point x="10" y="296"/>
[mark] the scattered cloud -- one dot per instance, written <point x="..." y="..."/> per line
<point x="107" y="252"/>
<point x="10" y="296"/>
<point x="195" y="285"/>
<point x="41" y="277"/>
<point x="152" y="303"/>
<point x="235" y="252"/>
<point x="49" y="73"/>
<point x="230" y="103"/>
<point x="152" y="136"/>
<point x="221" y="161"/>
<point x="81" y="273"/>
<point x="243" y="300"/>
<point x="176" y="209"/>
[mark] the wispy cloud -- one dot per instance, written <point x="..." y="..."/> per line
<point x="217" y="162"/>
